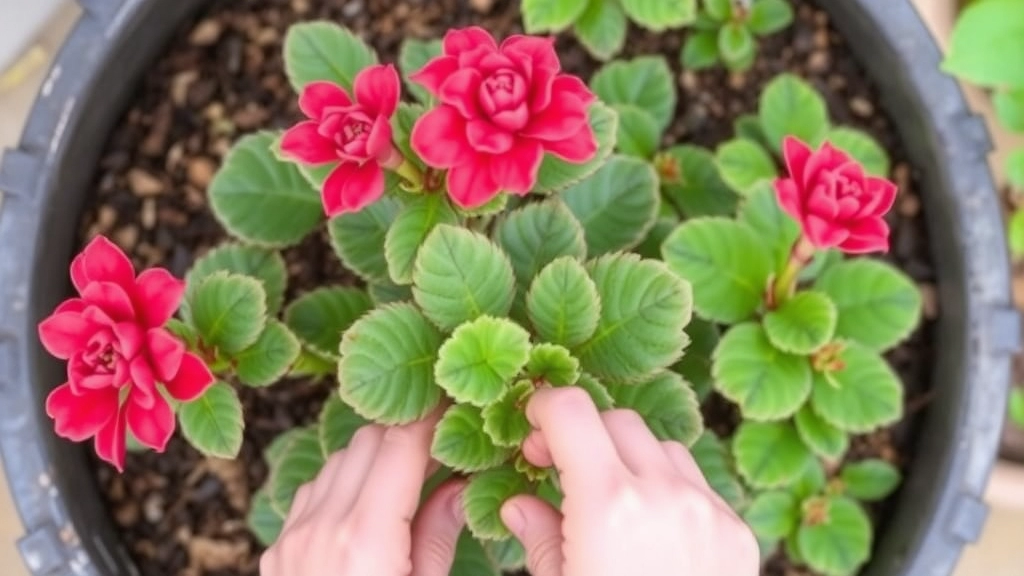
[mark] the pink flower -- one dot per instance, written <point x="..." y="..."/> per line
<point x="836" y="204"/>
<point x="502" y="107"/>
<point x="358" y="134"/>
<point x="118" y="352"/>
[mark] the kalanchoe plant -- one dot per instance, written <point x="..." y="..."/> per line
<point x="504" y="245"/>
<point x="726" y="32"/>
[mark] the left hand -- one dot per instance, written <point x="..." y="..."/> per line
<point x="359" y="517"/>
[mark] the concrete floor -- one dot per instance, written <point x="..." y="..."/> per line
<point x="999" y="553"/>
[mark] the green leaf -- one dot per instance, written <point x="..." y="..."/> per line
<point x="616" y="206"/>
<point x="563" y="303"/>
<point x="777" y="231"/>
<point x="388" y="293"/>
<point x="387" y="365"/>
<point x="213" y="422"/>
<point x="412" y="57"/>
<point x="644" y="310"/>
<point x="412" y="226"/>
<point x="660" y="15"/>
<point x="275" y="451"/>
<point x="596" y="390"/>
<point x="537" y="234"/>
<point x="229" y="311"/>
<point x="251" y="184"/>
<point x="862" y="148"/>
<point x="1010" y="108"/>
<point x="267" y="266"/>
<point x="744" y="165"/>
<point x="769" y="454"/>
<point x="870" y="480"/>
<point x="736" y="46"/>
<point x="650" y="248"/>
<point x="556" y="174"/>
<point x="602" y="29"/>
<point x="695" y="366"/>
<point x="769" y="16"/>
<point x="698" y="189"/>
<point x="320" y="317"/>
<point x="749" y="126"/>
<point x="472" y="559"/>
<point x="791" y="107"/>
<point x="459" y="276"/>
<point x="358" y="238"/>
<point x="716" y="464"/>
<point x="718" y="10"/>
<point x="461" y="443"/>
<point x="767" y="383"/>
<point x="1017" y="407"/>
<point x="263" y="521"/>
<point x="405" y="119"/>
<point x="337" y="424"/>
<point x="480" y="360"/>
<point x="324" y="51"/>
<point x="861" y="397"/>
<point x="646" y="83"/>
<point x="841" y="543"/>
<point x="773" y="515"/>
<point x="811" y="481"/>
<point x="667" y="404"/>
<point x="985" y="34"/>
<point x="700" y="51"/>
<point x="727" y="263"/>
<point x="878" y="305"/>
<point x="509" y="554"/>
<point x="553" y="364"/>
<point x="545" y="16"/>
<point x="183" y="331"/>
<point x="300" y="462"/>
<point x="1015" y="169"/>
<point x="269" y="358"/>
<point x="483" y="498"/>
<point x="505" y="421"/>
<point x="639" y="136"/>
<point x="802" y="324"/>
<point x="822" y="438"/>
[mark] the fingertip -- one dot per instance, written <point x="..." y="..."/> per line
<point x="536" y="451"/>
<point x="513" y="516"/>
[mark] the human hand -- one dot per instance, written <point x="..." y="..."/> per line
<point x="359" y="518"/>
<point x="633" y="505"/>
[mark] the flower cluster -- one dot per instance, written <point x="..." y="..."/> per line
<point x="501" y="109"/>
<point x="121" y="358"/>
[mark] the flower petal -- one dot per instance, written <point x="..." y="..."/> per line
<point x="110" y="441"/>
<point x="460" y="92"/>
<point x="569" y="84"/>
<point x="866" y="236"/>
<point x="377" y="89"/>
<point x="351" y="187"/>
<point x="143" y="382"/>
<point x="797" y="154"/>
<point x="80" y="416"/>
<point x="881" y="196"/>
<point x="485" y="137"/>
<point x="151" y="425"/>
<point x="130" y="338"/>
<point x="101" y="261"/>
<point x="303" y="143"/>
<point x="318" y="96"/>
<point x="65" y="333"/>
<point x="563" y="118"/>
<point x="826" y="158"/>
<point x="541" y="50"/>
<point x="459" y="41"/>
<point x="823" y="234"/>
<point x="111" y="298"/>
<point x="439" y="138"/>
<point x="165" y="353"/>
<point x="191" y="381"/>
<point x="516" y="170"/>
<point x="76" y="305"/>
<point x="434" y="74"/>
<point x="471" y="185"/>
<point x="157" y="296"/>
<point x="788" y="195"/>
<point x="378" y="143"/>
<point x="579" y="148"/>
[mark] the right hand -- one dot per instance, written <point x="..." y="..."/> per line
<point x="633" y="505"/>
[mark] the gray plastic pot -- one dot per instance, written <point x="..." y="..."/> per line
<point x="47" y="178"/>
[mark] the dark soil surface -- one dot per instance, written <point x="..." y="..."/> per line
<point x="183" y="514"/>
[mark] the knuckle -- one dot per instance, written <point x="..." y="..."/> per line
<point x="400" y="436"/>
<point x="623" y="417"/>
<point x="438" y="551"/>
<point x="545" y="556"/>
<point x="365" y="434"/>
<point x="569" y="399"/>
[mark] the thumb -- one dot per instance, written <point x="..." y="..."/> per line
<point x="436" y="529"/>
<point x="539" y="527"/>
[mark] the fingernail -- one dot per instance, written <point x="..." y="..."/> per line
<point x="513" y="517"/>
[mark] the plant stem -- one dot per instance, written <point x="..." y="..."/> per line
<point x="411" y="174"/>
<point x="785" y="284"/>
